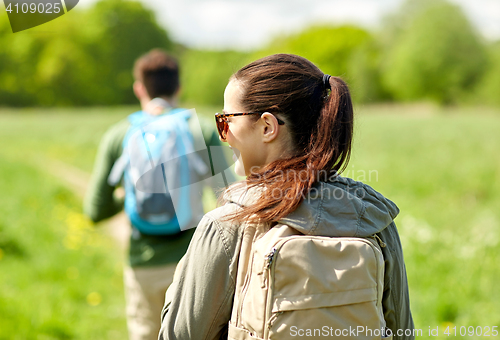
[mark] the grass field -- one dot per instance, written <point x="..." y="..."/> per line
<point x="61" y="277"/>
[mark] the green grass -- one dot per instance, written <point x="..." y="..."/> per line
<point x="61" y="278"/>
<point x="443" y="171"/>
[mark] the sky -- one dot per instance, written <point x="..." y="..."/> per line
<point x="250" y="24"/>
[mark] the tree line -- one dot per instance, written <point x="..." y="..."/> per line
<point x="426" y="51"/>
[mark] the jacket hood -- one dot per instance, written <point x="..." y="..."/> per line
<point x="342" y="207"/>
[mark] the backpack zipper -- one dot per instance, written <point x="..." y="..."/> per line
<point x="268" y="270"/>
<point x="379" y="240"/>
<point x="244" y="289"/>
<point x="269" y="257"/>
<point x="272" y="319"/>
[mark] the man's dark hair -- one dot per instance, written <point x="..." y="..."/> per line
<point x="159" y="72"/>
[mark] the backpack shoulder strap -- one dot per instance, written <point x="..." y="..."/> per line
<point x="135" y="119"/>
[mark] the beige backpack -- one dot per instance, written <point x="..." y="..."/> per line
<point x="291" y="285"/>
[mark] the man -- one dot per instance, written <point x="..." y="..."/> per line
<point x="152" y="258"/>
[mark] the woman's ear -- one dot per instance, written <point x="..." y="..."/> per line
<point x="270" y="127"/>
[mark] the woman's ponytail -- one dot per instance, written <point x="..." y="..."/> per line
<point x="330" y="144"/>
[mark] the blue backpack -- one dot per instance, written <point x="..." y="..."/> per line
<point x="162" y="173"/>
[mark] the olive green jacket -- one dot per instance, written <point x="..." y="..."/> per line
<point x="198" y="304"/>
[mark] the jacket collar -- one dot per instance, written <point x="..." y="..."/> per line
<point x="342" y="207"/>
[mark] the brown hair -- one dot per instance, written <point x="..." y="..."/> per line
<point x="320" y="123"/>
<point x="159" y="72"/>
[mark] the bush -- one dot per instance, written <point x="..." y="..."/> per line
<point x="437" y="56"/>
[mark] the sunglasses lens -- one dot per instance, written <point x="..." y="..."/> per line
<point x="221" y="127"/>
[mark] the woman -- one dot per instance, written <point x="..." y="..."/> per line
<point x="290" y="127"/>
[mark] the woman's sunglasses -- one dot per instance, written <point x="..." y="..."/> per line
<point x="223" y="126"/>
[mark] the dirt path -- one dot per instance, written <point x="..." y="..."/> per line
<point x="77" y="180"/>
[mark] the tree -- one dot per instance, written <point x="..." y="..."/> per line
<point x="488" y="91"/>
<point x="205" y="74"/>
<point x="116" y="33"/>
<point x="436" y="56"/>
<point x="18" y="59"/>
<point x="86" y="58"/>
<point x="346" y="51"/>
